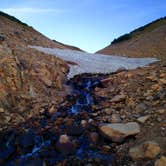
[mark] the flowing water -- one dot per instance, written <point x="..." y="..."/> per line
<point x="31" y="147"/>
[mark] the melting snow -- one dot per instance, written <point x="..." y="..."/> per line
<point x="95" y="63"/>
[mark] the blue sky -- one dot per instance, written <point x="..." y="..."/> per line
<point x="88" y="24"/>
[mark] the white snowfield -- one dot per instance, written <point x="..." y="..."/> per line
<point x="95" y="63"/>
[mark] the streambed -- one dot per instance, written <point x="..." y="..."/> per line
<point x="33" y="146"/>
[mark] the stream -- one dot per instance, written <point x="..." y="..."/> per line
<point x="31" y="147"/>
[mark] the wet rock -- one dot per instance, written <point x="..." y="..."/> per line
<point x="146" y="150"/>
<point x="118" y="98"/>
<point x="115" y="118"/>
<point x="94" y="137"/>
<point x="161" y="161"/>
<point x="143" y="119"/>
<point x="30" y="161"/>
<point x="118" y="131"/>
<point x="74" y="130"/>
<point x="64" y="145"/>
<point x="84" y="123"/>
<point x="27" y="139"/>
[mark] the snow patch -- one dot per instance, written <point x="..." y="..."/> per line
<point x="94" y="63"/>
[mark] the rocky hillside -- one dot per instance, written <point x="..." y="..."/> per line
<point x="69" y="46"/>
<point x="146" y="41"/>
<point x="29" y="79"/>
<point x="13" y="30"/>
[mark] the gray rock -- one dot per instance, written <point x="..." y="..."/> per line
<point x="117" y="132"/>
<point x="118" y="98"/>
<point x="143" y="119"/>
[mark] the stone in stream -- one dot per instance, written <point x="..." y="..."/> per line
<point x="146" y="150"/>
<point x="94" y="137"/>
<point x="74" y="130"/>
<point x="65" y="145"/>
<point x="117" y="132"/>
<point x="27" y="139"/>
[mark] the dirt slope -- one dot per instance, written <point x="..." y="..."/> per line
<point x="146" y="41"/>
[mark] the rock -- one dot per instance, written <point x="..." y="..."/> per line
<point x="162" y="81"/>
<point x="115" y="118"/>
<point x="2" y="38"/>
<point x="108" y="111"/>
<point x="94" y="137"/>
<point x="64" y="145"/>
<point x="106" y="148"/>
<point x="143" y="119"/>
<point x="146" y="150"/>
<point x="161" y="161"/>
<point x="118" y="131"/>
<point x="118" y="98"/>
<point x="84" y="123"/>
<point x="75" y="130"/>
<point x="2" y="110"/>
<point x="161" y="111"/>
<point x="52" y="110"/>
<point x="141" y="107"/>
<point x="155" y="87"/>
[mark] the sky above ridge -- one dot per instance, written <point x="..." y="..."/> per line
<point x="88" y="24"/>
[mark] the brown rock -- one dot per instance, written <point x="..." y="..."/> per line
<point x="115" y="118"/>
<point x="146" y="150"/>
<point x="94" y="137"/>
<point x="161" y="111"/>
<point x="64" y="145"/>
<point x="161" y="161"/>
<point x="2" y="110"/>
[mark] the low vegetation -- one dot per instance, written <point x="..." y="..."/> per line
<point x="143" y="29"/>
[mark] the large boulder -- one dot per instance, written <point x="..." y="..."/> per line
<point x="117" y="132"/>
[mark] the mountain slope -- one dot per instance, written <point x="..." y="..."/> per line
<point x="29" y="79"/>
<point x="146" y="41"/>
<point x="13" y="30"/>
<point x="69" y="46"/>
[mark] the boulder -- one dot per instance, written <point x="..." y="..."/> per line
<point x="117" y="132"/>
